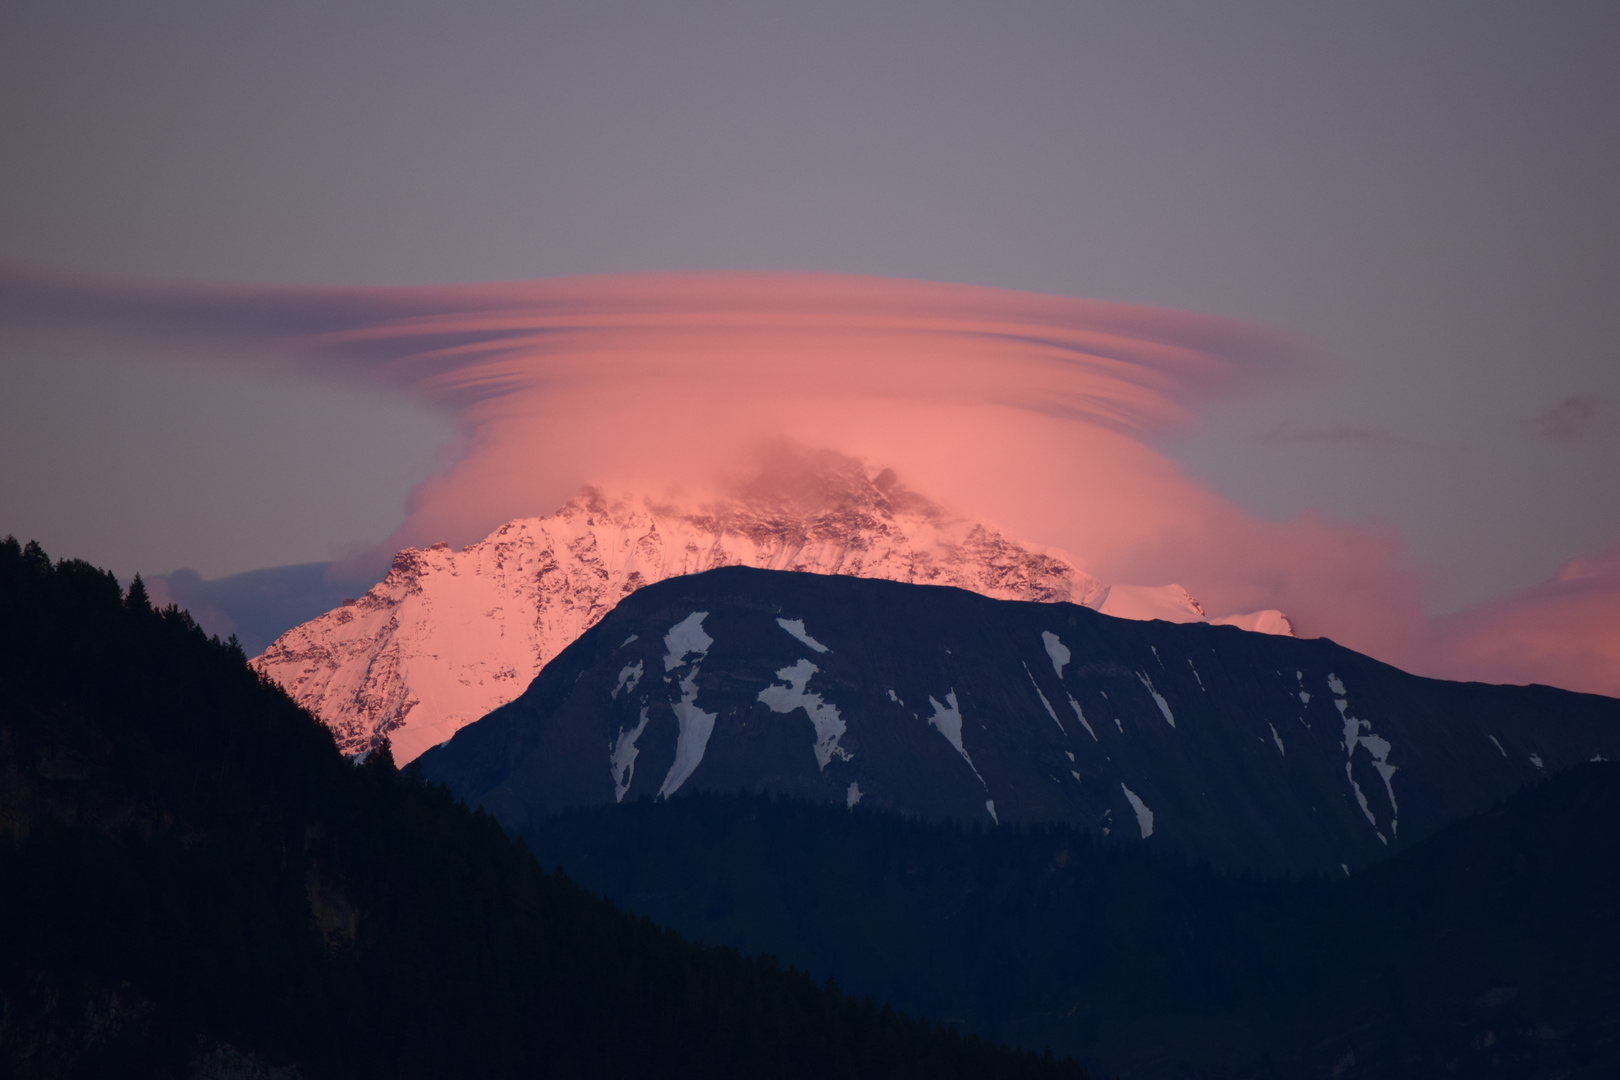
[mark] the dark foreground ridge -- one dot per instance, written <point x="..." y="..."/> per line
<point x="193" y="882"/>
<point x="1489" y="950"/>
<point x="1246" y="751"/>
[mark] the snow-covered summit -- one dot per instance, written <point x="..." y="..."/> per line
<point x="450" y="635"/>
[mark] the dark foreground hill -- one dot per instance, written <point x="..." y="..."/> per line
<point x="1247" y="751"/>
<point x="1489" y="950"/>
<point x="194" y="882"/>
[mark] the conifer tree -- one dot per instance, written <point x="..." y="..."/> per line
<point x="137" y="600"/>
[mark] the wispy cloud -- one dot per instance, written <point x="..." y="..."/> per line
<point x="1373" y="436"/>
<point x="1569" y="420"/>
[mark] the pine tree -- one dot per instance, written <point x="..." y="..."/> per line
<point x="137" y="600"/>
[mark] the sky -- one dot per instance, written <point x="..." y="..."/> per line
<point x="1416" y="207"/>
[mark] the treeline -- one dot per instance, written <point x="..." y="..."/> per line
<point x="191" y="875"/>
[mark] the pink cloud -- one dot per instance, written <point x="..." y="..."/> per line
<point x="1565" y="632"/>
<point x="1035" y="412"/>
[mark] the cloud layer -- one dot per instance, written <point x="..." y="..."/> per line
<point x="1035" y="412"/>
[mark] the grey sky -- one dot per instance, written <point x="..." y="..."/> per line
<point x="1429" y="195"/>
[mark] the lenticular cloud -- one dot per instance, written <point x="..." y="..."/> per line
<point x="1034" y="412"/>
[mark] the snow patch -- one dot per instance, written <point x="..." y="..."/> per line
<point x="684" y="638"/>
<point x="1047" y="704"/>
<point x="796" y="628"/>
<point x="1535" y="759"/>
<point x="628" y="678"/>
<point x="1070" y="753"/>
<point x="1144" y="816"/>
<point x="990" y="805"/>
<point x="947" y="720"/>
<point x="1304" y="698"/>
<point x="628" y="640"/>
<point x="1056" y="650"/>
<point x="1158" y="699"/>
<point x="853" y="795"/>
<point x="1498" y="745"/>
<point x="1378" y="748"/>
<point x="1276" y="738"/>
<point x="622" y="760"/>
<point x="1075" y="705"/>
<point x="1201" y="685"/>
<point x="1335" y="685"/>
<point x="1119" y="725"/>
<point x="824" y="715"/>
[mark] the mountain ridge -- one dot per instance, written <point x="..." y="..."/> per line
<point x="1248" y="751"/>
<point x="448" y="635"/>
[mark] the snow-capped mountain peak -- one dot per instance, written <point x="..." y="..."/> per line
<point x="450" y="635"/>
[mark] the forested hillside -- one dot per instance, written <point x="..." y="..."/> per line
<point x="194" y="882"/>
<point x="1490" y="950"/>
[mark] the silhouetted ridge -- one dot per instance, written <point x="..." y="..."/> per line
<point x="193" y="880"/>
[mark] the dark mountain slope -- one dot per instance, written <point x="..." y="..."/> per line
<point x="1489" y="950"/>
<point x="1249" y="751"/>
<point x="193" y="881"/>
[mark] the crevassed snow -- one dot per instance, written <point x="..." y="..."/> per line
<point x="1075" y="705"/>
<point x="1277" y="739"/>
<point x="990" y="805"/>
<point x="1535" y="759"/>
<point x="1144" y="816"/>
<point x="628" y="678"/>
<point x="686" y="637"/>
<point x="622" y="762"/>
<point x="1158" y="699"/>
<point x="1058" y="651"/>
<point x="1047" y="704"/>
<point x="796" y="628"/>
<point x="1498" y="745"/>
<point x="824" y="715"/>
<point x="947" y="720"/>
<point x="853" y="795"/>
<point x="1196" y="676"/>
<point x="1335" y="685"/>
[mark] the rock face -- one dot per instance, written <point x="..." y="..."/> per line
<point x="1245" y="750"/>
<point x="450" y="635"/>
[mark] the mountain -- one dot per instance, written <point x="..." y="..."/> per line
<point x="1491" y="949"/>
<point x="257" y="606"/>
<point x="450" y="635"/>
<point x="1247" y="751"/>
<point x="194" y="882"/>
